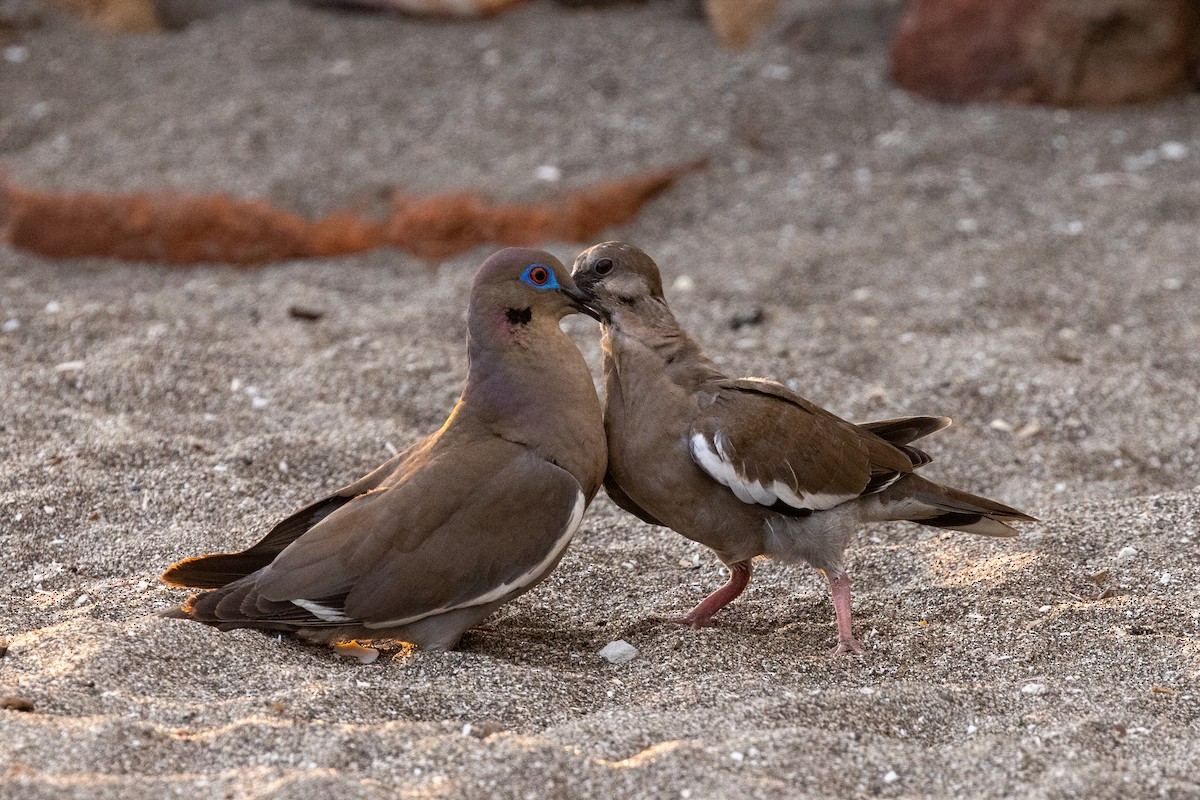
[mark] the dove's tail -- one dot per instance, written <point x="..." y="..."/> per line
<point x="915" y="499"/>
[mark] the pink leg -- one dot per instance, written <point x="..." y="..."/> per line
<point x="839" y="587"/>
<point x="701" y="615"/>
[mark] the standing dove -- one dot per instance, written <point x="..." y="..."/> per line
<point x="743" y="465"/>
<point x="436" y="539"/>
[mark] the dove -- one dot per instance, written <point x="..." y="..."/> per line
<point x="433" y="541"/>
<point x="745" y="466"/>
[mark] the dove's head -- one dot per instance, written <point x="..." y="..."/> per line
<point x="518" y="288"/>
<point x="618" y="277"/>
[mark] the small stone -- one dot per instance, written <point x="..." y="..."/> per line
<point x="683" y="283"/>
<point x="53" y="307"/>
<point x="10" y="702"/>
<point x="16" y="54"/>
<point x="10" y="325"/>
<point x="68" y="366"/>
<point x="1173" y="151"/>
<point x="82" y="600"/>
<point x="1126" y="554"/>
<point x="1164" y="578"/>
<point x="1001" y="425"/>
<point x="748" y="318"/>
<point x="1033" y="688"/>
<point x="737" y="757"/>
<point x="891" y="776"/>
<point x="305" y="313"/>
<point x="259" y="402"/>
<point x="776" y="72"/>
<point x="548" y="173"/>
<point x="618" y="652"/>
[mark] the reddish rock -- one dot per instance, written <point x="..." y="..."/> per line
<point x="1057" y="52"/>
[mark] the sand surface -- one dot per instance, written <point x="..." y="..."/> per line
<point x="1032" y="273"/>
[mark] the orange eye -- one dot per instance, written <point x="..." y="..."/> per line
<point x="539" y="276"/>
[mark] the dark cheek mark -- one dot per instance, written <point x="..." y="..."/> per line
<point x="519" y="316"/>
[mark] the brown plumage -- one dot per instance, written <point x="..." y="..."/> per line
<point x="746" y="466"/>
<point x="434" y="540"/>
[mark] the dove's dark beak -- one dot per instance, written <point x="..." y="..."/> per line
<point x="586" y="303"/>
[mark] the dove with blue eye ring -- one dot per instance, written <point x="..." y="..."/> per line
<point x="461" y="522"/>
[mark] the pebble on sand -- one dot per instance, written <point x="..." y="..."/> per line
<point x="618" y="652"/>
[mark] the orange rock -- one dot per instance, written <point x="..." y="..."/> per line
<point x="115" y="16"/>
<point x="175" y="228"/>
<point x="737" y="22"/>
<point x="1056" y="52"/>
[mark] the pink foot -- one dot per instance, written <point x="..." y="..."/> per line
<point x="693" y="620"/>
<point x="701" y="616"/>
<point x="850" y="645"/>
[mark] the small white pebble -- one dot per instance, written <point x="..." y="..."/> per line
<point x="776" y="72"/>
<point x="1165" y="578"/>
<point x="860" y="294"/>
<point x="82" y="600"/>
<point x="68" y="366"/>
<point x="1001" y="425"/>
<point x="1173" y="151"/>
<point x="683" y="283"/>
<point x="618" y="652"/>
<point x="1033" y="688"/>
<point x="1126" y="553"/>
<point x="142" y="586"/>
<point x="548" y="173"/>
<point x="16" y="54"/>
<point x="891" y="776"/>
<point x="49" y="510"/>
<point x="235" y="385"/>
<point x="866" y="690"/>
<point x="259" y="402"/>
<point x="967" y="225"/>
<point x="971" y="729"/>
<point x="466" y="729"/>
<point x="283" y="466"/>
<point x="737" y="757"/>
<point x="1172" y="284"/>
<point x="53" y="307"/>
<point x="1044" y="609"/>
<point x="10" y="325"/>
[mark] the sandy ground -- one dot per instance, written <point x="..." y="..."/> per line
<point x="1032" y="273"/>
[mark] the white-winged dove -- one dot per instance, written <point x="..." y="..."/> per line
<point x="433" y="541"/>
<point x="745" y="466"/>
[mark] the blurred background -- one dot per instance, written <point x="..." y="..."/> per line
<point x="236" y="240"/>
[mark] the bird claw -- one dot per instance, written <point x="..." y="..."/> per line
<point x="850" y="645"/>
<point x="352" y="649"/>
<point x="695" y="622"/>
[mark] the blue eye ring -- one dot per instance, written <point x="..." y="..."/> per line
<point x="540" y="276"/>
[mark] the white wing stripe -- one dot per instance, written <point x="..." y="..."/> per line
<point x="713" y="459"/>
<point x="321" y="612"/>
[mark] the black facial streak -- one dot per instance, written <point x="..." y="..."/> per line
<point x="519" y="316"/>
